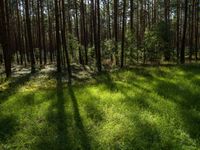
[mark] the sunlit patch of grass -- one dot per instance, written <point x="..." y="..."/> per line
<point x="138" y="108"/>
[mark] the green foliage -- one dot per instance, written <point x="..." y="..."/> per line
<point x="153" y="45"/>
<point x="108" y="49"/>
<point x="73" y="46"/>
<point x="131" y="47"/>
<point x="140" y="108"/>
<point x="164" y="33"/>
<point x="157" y="41"/>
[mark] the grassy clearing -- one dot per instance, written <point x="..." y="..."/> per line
<point x="139" y="108"/>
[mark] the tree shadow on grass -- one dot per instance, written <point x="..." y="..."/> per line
<point x="188" y="103"/>
<point x="106" y="79"/>
<point x="190" y="70"/>
<point x="146" y="135"/>
<point x="61" y="114"/>
<point x="8" y="127"/>
<point x="57" y="138"/>
<point x="84" y="140"/>
<point x="93" y="112"/>
<point x="13" y="87"/>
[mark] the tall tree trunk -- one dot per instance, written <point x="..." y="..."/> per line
<point x="64" y="42"/>
<point x="196" y="28"/>
<point x="4" y="39"/>
<point x="29" y="33"/>
<point x="109" y="28"/>
<point x="131" y="15"/>
<point x="77" y="33"/>
<point x="123" y="33"/>
<point x="50" y="33"/>
<point x="57" y="37"/>
<point x="95" y="31"/>
<point x="99" y="38"/>
<point x="116" y="29"/>
<point x="39" y="32"/>
<point x="83" y="30"/>
<point x="19" y="33"/>
<point x="137" y="31"/>
<point x="178" y="30"/>
<point x="192" y="30"/>
<point x="184" y="34"/>
<point x="43" y="31"/>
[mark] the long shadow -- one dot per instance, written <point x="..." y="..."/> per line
<point x="57" y="120"/>
<point x="8" y="127"/>
<point x="106" y="79"/>
<point x="13" y="86"/>
<point x="61" y="114"/>
<point x="57" y="138"/>
<point x="188" y="102"/>
<point x="78" y="121"/>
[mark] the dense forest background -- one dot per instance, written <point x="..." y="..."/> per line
<point x="100" y="74"/>
<point x="98" y="33"/>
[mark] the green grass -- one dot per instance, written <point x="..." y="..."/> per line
<point x="139" y="108"/>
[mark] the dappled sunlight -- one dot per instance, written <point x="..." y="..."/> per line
<point x="130" y="108"/>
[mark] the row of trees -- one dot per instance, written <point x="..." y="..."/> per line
<point x="97" y="32"/>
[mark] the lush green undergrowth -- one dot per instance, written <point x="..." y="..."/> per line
<point x="138" y="108"/>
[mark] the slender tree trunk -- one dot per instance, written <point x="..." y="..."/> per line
<point x="19" y="34"/>
<point x="50" y="33"/>
<point x="43" y="31"/>
<point x="4" y="39"/>
<point x="95" y="31"/>
<point x="39" y="32"/>
<point x="57" y="37"/>
<point x="77" y="33"/>
<point x="64" y="42"/>
<point x="196" y="29"/>
<point x="99" y="38"/>
<point x="192" y="30"/>
<point x="123" y="33"/>
<point x="29" y="33"/>
<point x="116" y="29"/>
<point x="178" y="30"/>
<point x="137" y="31"/>
<point x="131" y="15"/>
<point x="184" y="34"/>
<point x="83" y="30"/>
<point x="109" y="28"/>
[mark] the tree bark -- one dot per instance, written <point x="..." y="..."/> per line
<point x="184" y="33"/>
<point x="123" y="34"/>
<point x="29" y="33"/>
<point x="64" y="42"/>
<point x="4" y="39"/>
<point x="57" y="37"/>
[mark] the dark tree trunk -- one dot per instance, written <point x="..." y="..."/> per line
<point x="4" y="39"/>
<point x="83" y="30"/>
<point x="77" y="33"/>
<point x="131" y="15"/>
<point x="29" y="33"/>
<point x="192" y="30"/>
<point x="116" y="28"/>
<point x="123" y="33"/>
<point x="19" y="34"/>
<point x="57" y="37"/>
<point x="99" y="39"/>
<point x="178" y="30"/>
<point x="64" y="42"/>
<point x="184" y="34"/>
<point x="196" y="28"/>
<point x="43" y="31"/>
<point x="39" y="32"/>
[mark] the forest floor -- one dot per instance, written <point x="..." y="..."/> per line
<point x="138" y="108"/>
